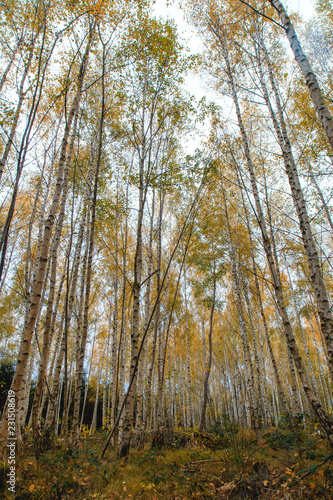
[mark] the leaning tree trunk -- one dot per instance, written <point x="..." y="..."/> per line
<point x="35" y="298"/>
<point x="291" y="342"/>
<point x="323" y="303"/>
<point x="311" y="81"/>
<point x="251" y="413"/>
<point x="37" y="409"/>
<point x="189" y="399"/>
<point x="262" y="314"/>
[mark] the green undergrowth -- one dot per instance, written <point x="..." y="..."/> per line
<point x="288" y="462"/>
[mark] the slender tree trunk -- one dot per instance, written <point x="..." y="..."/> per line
<point x="85" y="323"/>
<point x="124" y="445"/>
<point x="160" y="399"/>
<point x="93" y="425"/>
<point x="22" y="93"/>
<point x="189" y="400"/>
<point x="257" y="374"/>
<point x="118" y="395"/>
<point x="209" y="362"/>
<point x="161" y="337"/>
<point x="50" y="415"/>
<point x="141" y="420"/>
<point x="249" y="388"/>
<point x="9" y="65"/>
<point x="263" y="317"/>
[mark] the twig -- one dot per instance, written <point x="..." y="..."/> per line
<point x="263" y="15"/>
<point x="203" y="461"/>
<point x="326" y="459"/>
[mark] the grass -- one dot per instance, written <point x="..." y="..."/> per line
<point x="288" y="462"/>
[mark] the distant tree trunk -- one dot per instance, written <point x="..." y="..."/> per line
<point x="251" y="415"/>
<point x="160" y="399"/>
<point x="293" y="377"/>
<point x="93" y="425"/>
<point x="141" y="420"/>
<point x="210" y="358"/>
<point x="124" y="445"/>
<point x="85" y="323"/>
<point x="189" y="400"/>
<point x="257" y="374"/>
<point x="262" y="314"/>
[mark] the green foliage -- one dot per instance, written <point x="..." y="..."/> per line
<point x="157" y="471"/>
<point x="224" y="428"/>
<point x="291" y="435"/>
<point x="152" y="455"/>
<point x="74" y="455"/>
<point x="217" y="429"/>
<point x="283" y="439"/>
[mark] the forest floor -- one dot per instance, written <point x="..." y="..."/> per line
<point x="289" y="462"/>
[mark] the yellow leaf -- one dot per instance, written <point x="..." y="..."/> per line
<point x="31" y="487"/>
